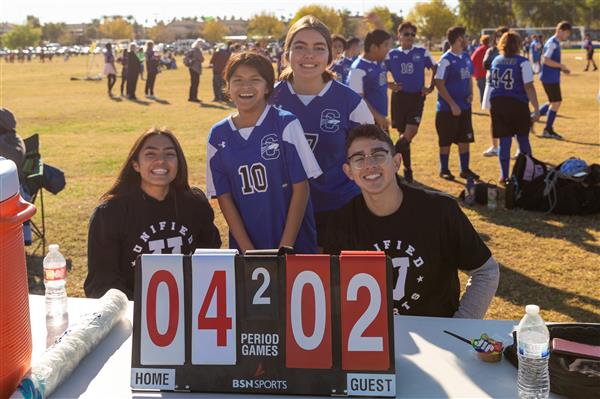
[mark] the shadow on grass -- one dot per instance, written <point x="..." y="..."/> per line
<point x="210" y="105"/>
<point x="580" y="142"/>
<point x="35" y="272"/>
<point x="161" y="101"/>
<point x="568" y="303"/>
<point x="138" y="101"/>
<point x="115" y="99"/>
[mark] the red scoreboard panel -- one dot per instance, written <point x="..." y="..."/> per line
<point x="264" y="323"/>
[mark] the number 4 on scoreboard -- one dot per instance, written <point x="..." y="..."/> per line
<point x="213" y="310"/>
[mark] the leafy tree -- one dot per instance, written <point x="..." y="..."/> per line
<point x="432" y="19"/>
<point x="160" y="34"/>
<point x="22" y="36"/>
<point x="479" y="14"/>
<point x="214" y="30"/>
<point x="546" y="12"/>
<point x="327" y="15"/>
<point x="115" y="28"/>
<point x="265" y="24"/>
<point x="380" y="17"/>
<point x="33" y="21"/>
<point x="53" y="32"/>
<point x="350" y="25"/>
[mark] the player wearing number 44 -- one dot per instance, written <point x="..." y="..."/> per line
<point x="149" y="209"/>
<point x="326" y="109"/>
<point x="259" y="163"/>
<point x="426" y="234"/>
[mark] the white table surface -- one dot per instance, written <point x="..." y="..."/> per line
<point x="429" y="363"/>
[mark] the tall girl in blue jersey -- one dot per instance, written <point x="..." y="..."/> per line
<point x="327" y="110"/>
<point x="511" y="78"/>
<point x="259" y="163"/>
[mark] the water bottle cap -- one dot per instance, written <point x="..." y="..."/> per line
<point x="53" y="247"/>
<point x="532" y="309"/>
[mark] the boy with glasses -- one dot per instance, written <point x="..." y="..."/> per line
<point x="407" y="65"/>
<point x="426" y="234"/>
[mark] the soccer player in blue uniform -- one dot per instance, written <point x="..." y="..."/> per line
<point x="536" y="54"/>
<point x="368" y="75"/>
<point x="455" y="93"/>
<point x="589" y="52"/>
<point x="550" y="76"/>
<point x="341" y="67"/>
<point x="512" y="90"/>
<point x="259" y="163"/>
<point x="326" y="109"/>
<point x="407" y="65"/>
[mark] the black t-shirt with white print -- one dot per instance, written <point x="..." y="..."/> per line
<point x="428" y="239"/>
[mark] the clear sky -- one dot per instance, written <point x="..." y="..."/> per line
<point x="147" y="11"/>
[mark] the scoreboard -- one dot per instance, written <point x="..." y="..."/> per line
<point x="264" y="323"/>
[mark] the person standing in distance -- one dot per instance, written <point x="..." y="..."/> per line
<point x="109" y="68"/>
<point x="550" y="77"/>
<point x="133" y="71"/>
<point x="195" y="67"/>
<point x="326" y="108"/>
<point x="536" y="54"/>
<point x="426" y="234"/>
<point x="512" y="90"/>
<point x="151" y="70"/>
<point x="455" y="93"/>
<point x="368" y="75"/>
<point x="407" y="65"/>
<point x="589" y="52"/>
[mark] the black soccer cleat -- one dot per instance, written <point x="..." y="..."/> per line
<point x="446" y="174"/>
<point x="469" y="174"/>
<point x="549" y="133"/>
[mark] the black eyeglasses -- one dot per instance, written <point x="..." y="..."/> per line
<point x="407" y="34"/>
<point x="378" y="157"/>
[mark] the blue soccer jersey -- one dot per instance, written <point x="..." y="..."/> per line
<point x="509" y="76"/>
<point x="552" y="51"/>
<point x="455" y="70"/>
<point x="408" y="67"/>
<point x="536" y="51"/>
<point x="327" y="118"/>
<point x="341" y="68"/>
<point x="258" y="166"/>
<point x="369" y="79"/>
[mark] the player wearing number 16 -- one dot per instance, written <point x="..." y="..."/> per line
<point x="512" y="88"/>
<point x="150" y="209"/>
<point x="259" y="163"/>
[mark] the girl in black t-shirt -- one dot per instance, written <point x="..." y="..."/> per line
<point x="151" y="208"/>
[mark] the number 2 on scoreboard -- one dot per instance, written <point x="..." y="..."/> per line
<point x="213" y="301"/>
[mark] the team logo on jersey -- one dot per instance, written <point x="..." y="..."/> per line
<point x="416" y="57"/>
<point x="383" y="78"/>
<point x="410" y="269"/>
<point x="269" y="147"/>
<point x="330" y="120"/>
<point x="163" y="237"/>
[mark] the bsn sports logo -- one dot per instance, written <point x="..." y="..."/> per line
<point x="330" y="120"/>
<point x="269" y="147"/>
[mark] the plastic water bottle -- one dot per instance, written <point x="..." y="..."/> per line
<point x="533" y="349"/>
<point x="55" y="279"/>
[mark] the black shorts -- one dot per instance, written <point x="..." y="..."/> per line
<point x="407" y="109"/>
<point x="454" y="129"/>
<point x="553" y="92"/>
<point x="509" y="117"/>
<point x="590" y="56"/>
<point x="321" y="221"/>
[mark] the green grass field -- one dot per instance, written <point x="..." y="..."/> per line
<point x="550" y="260"/>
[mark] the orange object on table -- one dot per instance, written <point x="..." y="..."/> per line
<point x="15" y="327"/>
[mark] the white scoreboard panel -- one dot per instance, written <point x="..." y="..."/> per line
<point x="264" y="323"/>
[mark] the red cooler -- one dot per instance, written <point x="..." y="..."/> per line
<point x="15" y="328"/>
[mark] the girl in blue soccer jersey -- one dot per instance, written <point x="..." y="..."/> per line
<point x="511" y="80"/>
<point x="327" y="110"/>
<point x="259" y="163"/>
